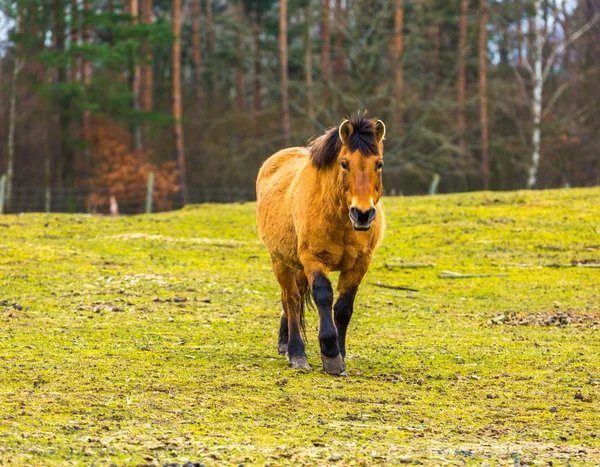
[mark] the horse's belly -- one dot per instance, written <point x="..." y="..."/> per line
<point x="274" y="205"/>
<point x="284" y="248"/>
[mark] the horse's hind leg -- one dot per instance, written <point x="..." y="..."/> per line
<point x="302" y="284"/>
<point x="282" y="345"/>
<point x="292" y="303"/>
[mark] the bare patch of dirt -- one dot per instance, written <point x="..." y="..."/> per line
<point x="551" y="318"/>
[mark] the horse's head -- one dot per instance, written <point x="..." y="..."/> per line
<point x="360" y="163"/>
<point x="354" y="152"/>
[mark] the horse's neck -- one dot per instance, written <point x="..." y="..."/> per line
<point x="326" y="189"/>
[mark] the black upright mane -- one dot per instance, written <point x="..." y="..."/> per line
<point x="325" y="149"/>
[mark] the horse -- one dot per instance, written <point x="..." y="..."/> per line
<point x="319" y="210"/>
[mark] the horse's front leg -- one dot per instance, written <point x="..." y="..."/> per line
<point x="344" y="306"/>
<point x="322" y="292"/>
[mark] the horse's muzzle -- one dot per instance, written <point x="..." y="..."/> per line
<point x="362" y="220"/>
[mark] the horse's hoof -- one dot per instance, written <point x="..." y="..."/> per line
<point x="299" y="363"/>
<point x="282" y="349"/>
<point x="334" y="365"/>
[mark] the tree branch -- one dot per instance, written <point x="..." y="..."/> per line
<point x="561" y="48"/>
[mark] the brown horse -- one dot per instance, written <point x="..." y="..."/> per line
<point x="319" y="210"/>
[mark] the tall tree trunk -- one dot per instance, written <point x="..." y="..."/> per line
<point x="398" y="65"/>
<point x="338" y="53"/>
<point x="66" y="151"/>
<point x="240" y="79"/>
<point x="197" y="55"/>
<point x="147" y="75"/>
<point x="210" y="36"/>
<point x="519" y="33"/>
<point x="325" y="53"/>
<point x="461" y="78"/>
<point x="74" y="37"/>
<point x="285" y="107"/>
<point x="210" y="28"/>
<point x="256" y="86"/>
<point x="47" y="169"/>
<point x="308" y="76"/>
<point x="176" y="70"/>
<point x="86" y="65"/>
<point x="136" y="84"/>
<point x="536" y="109"/>
<point x="12" y="122"/>
<point x="74" y="125"/>
<point x="483" y="114"/>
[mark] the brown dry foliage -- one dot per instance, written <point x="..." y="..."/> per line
<point x="123" y="172"/>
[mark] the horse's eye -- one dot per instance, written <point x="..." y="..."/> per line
<point x="344" y="165"/>
<point x="379" y="165"/>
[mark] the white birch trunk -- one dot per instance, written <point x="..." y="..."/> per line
<point x="12" y="116"/>
<point x="537" y="96"/>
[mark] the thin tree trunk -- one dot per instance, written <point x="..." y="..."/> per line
<point x="536" y="109"/>
<point x="12" y="117"/>
<point x="210" y="36"/>
<point x="325" y="53"/>
<point x="66" y="151"/>
<point x="519" y="32"/>
<point x="74" y="125"/>
<point x="86" y="65"/>
<point x="285" y="107"/>
<point x="74" y="37"/>
<point x="240" y="80"/>
<point x="136" y="85"/>
<point x="47" y="170"/>
<point x="147" y="75"/>
<point x="176" y="70"/>
<point x="338" y="64"/>
<point x="197" y="55"/>
<point x="256" y="86"/>
<point x="483" y="115"/>
<point x="210" y="30"/>
<point x="308" y="76"/>
<point x="398" y="65"/>
<point x="569" y="64"/>
<point x="461" y="78"/>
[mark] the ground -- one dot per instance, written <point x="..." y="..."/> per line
<point x="151" y="339"/>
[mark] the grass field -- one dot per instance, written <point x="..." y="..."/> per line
<point x="152" y="339"/>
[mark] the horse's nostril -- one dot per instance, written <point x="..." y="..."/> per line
<point x="372" y="213"/>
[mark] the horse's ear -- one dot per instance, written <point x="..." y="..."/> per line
<point x="345" y="131"/>
<point x="380" y="130"/>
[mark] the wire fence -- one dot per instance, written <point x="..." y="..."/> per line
<point x="133" y="200"/>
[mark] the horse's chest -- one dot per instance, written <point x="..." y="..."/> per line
<point x="348" y="253"/>
<point x="348" y="257"/>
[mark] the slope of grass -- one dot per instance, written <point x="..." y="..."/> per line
<point x="152" y="339"/>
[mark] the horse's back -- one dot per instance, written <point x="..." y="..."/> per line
<point x="281" y="168"/>
<point x="274" y="202"/>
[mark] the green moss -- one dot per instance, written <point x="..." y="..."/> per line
<point x="103" y="365"/>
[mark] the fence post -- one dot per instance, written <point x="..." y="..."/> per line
<point x="2" y="192"/>
<point x="149" y="192"/>
<point x="434" y="184"/>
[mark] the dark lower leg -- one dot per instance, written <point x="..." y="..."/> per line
<point x="295" y="346"/>
<point x="323" y="296"/>
<point x="282" y="346"/>
<point x="342" y="314"/>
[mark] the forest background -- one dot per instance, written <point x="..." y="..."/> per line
<point x="95" y="95"/>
